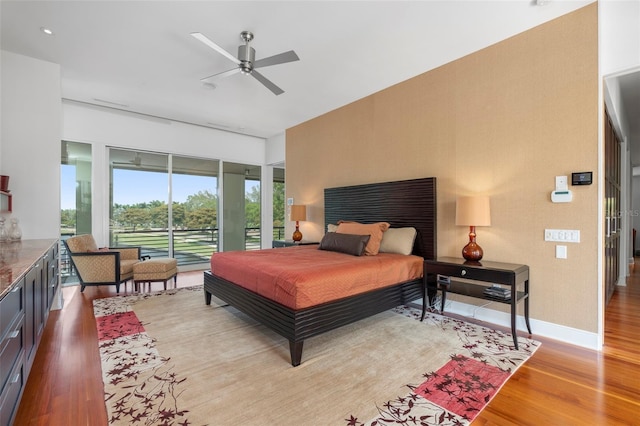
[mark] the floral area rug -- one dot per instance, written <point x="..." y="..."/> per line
<point x="168" y="359"/>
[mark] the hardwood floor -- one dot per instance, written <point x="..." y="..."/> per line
<point x="560" y="385"/>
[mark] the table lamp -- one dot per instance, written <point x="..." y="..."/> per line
<point x="298" y="213"/>
<point x="473" y="211"/>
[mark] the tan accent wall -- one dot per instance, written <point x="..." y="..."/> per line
<point x="503" y="121"/>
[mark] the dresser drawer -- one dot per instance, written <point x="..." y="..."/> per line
<point x="11" y="307"/>
<point x="10" y="396"/>
<point x="11" y="349"/>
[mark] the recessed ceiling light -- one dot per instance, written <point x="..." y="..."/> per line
<point x="47" y="31"/>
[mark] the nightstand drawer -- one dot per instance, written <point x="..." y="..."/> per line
<point x="475" y="274"/>
<point x="291" y="243"/>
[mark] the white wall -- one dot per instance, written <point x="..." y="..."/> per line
<point x="619" y="22"/>
<point x="104" y="127"/>
<point x="276" y="149"/>
<point x="30" y="142"/>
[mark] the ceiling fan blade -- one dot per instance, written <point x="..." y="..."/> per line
<point x="221" y="75"/>
<point x="269" y="85"/>
<point x="280" y="58"/>
<point x="220" y="50"/>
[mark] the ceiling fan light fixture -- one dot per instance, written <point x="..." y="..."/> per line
<point x="246" y="68"/>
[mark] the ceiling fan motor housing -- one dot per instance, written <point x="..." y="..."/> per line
<point x="246" y="55"/>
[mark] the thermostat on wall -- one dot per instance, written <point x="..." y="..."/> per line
<point x="582" y="178"/>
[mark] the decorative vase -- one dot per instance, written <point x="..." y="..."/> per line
<point x="15" y="233"/>
<point x="4" y="235"/>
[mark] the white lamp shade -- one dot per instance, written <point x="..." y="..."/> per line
<point x="473" y="211"/>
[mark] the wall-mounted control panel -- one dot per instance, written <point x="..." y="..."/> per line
<point x="562" y="235"/>
<point x="582" y="178"/>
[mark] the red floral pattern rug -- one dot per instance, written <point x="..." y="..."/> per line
<point x="456" y="393"/>
<point x="130" y="361"/>
<point x="144" y="386"/>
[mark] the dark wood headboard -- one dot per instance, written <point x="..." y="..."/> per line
<point x="401" y="203"/>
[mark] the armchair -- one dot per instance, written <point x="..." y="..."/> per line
<point x="101" y="266"/>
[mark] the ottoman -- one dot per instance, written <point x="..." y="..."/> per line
<point x="152" y="270"/>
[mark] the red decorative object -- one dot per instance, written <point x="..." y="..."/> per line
<point x="472" y="251"/>
<point x="473" y="211"/>
<point x="297" y="235"/>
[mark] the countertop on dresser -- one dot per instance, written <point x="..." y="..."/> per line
<point x="17" y="257"/>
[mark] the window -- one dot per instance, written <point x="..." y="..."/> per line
<point x="166" y="204"/>
<point x="75" y="197"/>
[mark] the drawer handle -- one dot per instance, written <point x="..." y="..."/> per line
<point x="15" y="379"/>
<point x="463" y="273"/>
<point x="14" y="334"/>
<point x="15" y="289"/>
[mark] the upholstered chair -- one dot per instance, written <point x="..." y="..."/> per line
<point x="105" y="266"/>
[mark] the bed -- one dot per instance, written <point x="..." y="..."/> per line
<point x="407" y="203"/>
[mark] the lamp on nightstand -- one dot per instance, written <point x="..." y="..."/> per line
<point x="298" y="213"/>
<point x="473" y="211"/>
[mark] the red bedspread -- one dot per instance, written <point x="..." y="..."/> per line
<point x="303" y="276"/>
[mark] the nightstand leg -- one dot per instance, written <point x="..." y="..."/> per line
<point x="443" y="288"/>
<point x="526" y="305"/>
<point x="424" y="297"/>
<point x="513" y="327"/>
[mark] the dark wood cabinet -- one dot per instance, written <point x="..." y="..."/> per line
<point x="24" y="308"/>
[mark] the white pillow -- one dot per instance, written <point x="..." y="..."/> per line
<point x="331" y="227"/>
<point x="398" y="240"/>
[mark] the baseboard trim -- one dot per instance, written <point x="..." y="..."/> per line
<point x="546" y="329"/>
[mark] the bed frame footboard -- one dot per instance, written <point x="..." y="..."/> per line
<point x="298" y="325"/>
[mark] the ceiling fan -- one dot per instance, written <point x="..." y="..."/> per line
<point x="246" y="62"/>
<point x="136" y="161"/>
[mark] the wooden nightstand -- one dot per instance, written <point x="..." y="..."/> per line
<point x="477" y="281"/>
<point x="291" y="243"/>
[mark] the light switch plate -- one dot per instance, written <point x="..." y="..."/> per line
<point x="561" y="252"/>
<point x="289" y="201"/>
<point x="562" y="235"/>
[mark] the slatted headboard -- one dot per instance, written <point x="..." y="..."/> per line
<point x="401" y="203"/>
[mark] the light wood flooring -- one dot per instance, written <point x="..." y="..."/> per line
<point x="560" y="385"/>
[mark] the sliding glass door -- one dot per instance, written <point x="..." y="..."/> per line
<point x="241" y="210"/>
<point x="194" y="209"/>
<point x="278" y="204"/>
<point x="139" y="194"/>
<point x="166" y="204"/>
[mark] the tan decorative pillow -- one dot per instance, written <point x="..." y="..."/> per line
<point x="374" y="229"/>
<point x="398" y="240"/>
